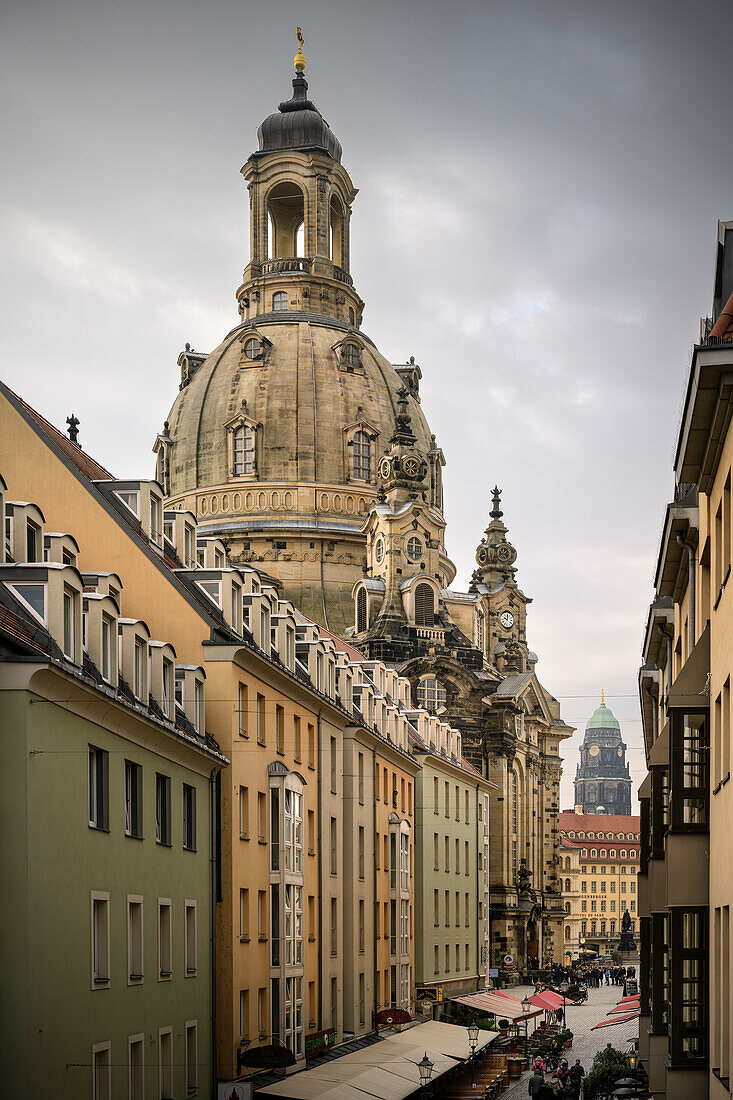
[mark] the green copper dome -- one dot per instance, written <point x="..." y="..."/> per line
<point x="602" y="719"/>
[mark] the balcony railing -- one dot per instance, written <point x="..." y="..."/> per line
<point x="285" y="266"/>
<point x="431" y="633"/>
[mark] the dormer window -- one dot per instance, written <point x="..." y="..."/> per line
<point x="414" y="548"/>
<point x="70" y="605"/>
<point x="139" y="685"/>
<point x="34" y="597"/>
<point x="107" y="635"/>
<point x="424" y="605"/>
<point x="131" y="501"/>
<point x="351" y="356"/>
<point x="252" y="347"/>
<point x="168" y="689"/>
<point x="280" y="300"/>
<point x="32" y="542"/>
<point x="362" y="457"/>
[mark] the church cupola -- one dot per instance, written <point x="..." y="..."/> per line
<point x="300" y="213"/>
<point x="403" y="470"/>
<point x="495" y="554"/>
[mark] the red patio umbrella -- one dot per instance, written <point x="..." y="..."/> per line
<point x="616" y="1020"/>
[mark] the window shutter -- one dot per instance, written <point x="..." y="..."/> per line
<point x="361" y="611"/>
<point x="424" y="605"/>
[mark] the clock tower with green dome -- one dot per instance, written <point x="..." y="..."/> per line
<point x="602" y="779"/>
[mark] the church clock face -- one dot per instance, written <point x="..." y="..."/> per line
<point x="620" y="751"/>
<point x="482" y="555"/>
<point x="385" y="469"/>
<point x="507" y="620"/>
<point x="411" y="467"/>
<point x="594" y="750"/>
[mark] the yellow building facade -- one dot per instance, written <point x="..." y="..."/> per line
<point x="686" y="803"/>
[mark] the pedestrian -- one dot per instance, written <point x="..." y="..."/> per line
<point x="538" y="1064"/>
<point x="577" y="1073"/>
<point x="536" y="1084"/>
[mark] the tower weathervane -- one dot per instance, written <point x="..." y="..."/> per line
<point x="299" y="59"/>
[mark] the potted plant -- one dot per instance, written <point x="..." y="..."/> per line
<point x="503" y="1026"/>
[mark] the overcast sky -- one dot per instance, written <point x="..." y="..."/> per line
<point x="540" y="184"/>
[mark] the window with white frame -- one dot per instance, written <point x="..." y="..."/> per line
<point x="243" y="450"/>
<point x="133" y="799"/>
<point x="431" y="695"/>
<point x="279" y="300"/>
<point x="165" y="1062"/>
<point x="192" y="1061"/>
<point x="134" y="939"/>
<point x="102" y="1071"/>
<point x="100" y="939"/>
<point x="168" y="688"/>
<point x="189" y="817"/>
<point x="136" y="1067"/>
<point x="98" y="760"/>
<point x="165" y="964"/>
<point x="70" y="602"/>
<point x="139" y="670"/>
<point x="190" y="939"/>
<point x="361" y="462"/>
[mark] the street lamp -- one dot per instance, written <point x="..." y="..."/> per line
<point x="425" y="1066"/>
<point x="526" y="1009"/>
<point x="473" y="1040"/>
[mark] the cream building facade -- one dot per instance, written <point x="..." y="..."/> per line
<point x="686" y="804"/>
<point x="606" y="853"/>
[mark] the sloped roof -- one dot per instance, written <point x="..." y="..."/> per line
<point x="604" y="823"/>
<point x="511" y="685"/>
<point x="83" y="462"/>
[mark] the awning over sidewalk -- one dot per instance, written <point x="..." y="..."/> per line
<point x="493" y="1005"/>
<point x="616" y="1020"/>
<point x="386" y="1070"/>
<point x="541" y="1000"/>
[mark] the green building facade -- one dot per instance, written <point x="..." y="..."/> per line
<point x="107" y="844"/>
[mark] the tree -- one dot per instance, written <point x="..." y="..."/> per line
<point x="608" y="1066"/>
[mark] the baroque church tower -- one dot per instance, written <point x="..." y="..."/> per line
<point x="308" y="452"/>
<point x="602" y="778"/>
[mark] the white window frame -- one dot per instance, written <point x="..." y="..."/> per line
<point x="190" y="964"/>
<point x="192" y="1086"/>
<point x="104" y="967"/>
<point x="135" y="899"/>
<point x="101" y="1048"/>
<point x="165" y="973"/>
<point x="163" y="1090"/>
<point x="133" y="1040"/>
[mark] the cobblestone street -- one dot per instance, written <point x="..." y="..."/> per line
<point x="580" y="1020"/>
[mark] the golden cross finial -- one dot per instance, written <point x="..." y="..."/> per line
<point x="299" y="59"/>
<point x="603" y="698"/>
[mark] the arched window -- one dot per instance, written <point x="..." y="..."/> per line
<point x="567" y="885"/>
<point x="622" y="853"/>
<point x="603" y="853"/>
<point x="336" y="231"/>
<point x="280" y="300"/>
<point x="350" y="355"/>
<point x="361" y="611"/>
<point x="286" y="215"/>
<point x="362" y="457"/>
<point x="479" y="630"/>
<point x="567" y="932"/>
<point x="243" y="450"/>
<point x="593" y="853"/>
<point x="430" y="694"/>
<point x="252" y="347"/>
<point x="424" y="605"/>
<point x="352" y="316"/>
<point x="379" y="551"/>
<point x="567" y="906"/>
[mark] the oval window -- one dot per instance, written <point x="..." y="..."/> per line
<point x="252" y="348"/>
<point x="379" y="551"/>
<point x="414" y="548"/>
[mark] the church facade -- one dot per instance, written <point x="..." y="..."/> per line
<point x="308" y="453"/>
<point x="602" y="778"/>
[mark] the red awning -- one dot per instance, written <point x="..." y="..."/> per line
<point x="496" y="1006"/>
<point x="616" y="1020"/>
<point x="541" y="1000"/>
<point x="556" y="1000"/>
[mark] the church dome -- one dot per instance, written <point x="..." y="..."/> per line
<point x="300" y="397"/>
<point x="603" y="719"/>
<point x="298" y="124"/>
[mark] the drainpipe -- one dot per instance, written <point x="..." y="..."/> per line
<point x="668" y="639"/>
<point x="212" y="863"/>
<point x="374" y="876"/>
<point x="320" y="875"/>
<point x="479" y="893"/>
<point x="691" y="590"/>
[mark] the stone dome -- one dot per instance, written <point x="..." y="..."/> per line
<point x="301" y="398"/>
<point x="298" y="124"/>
